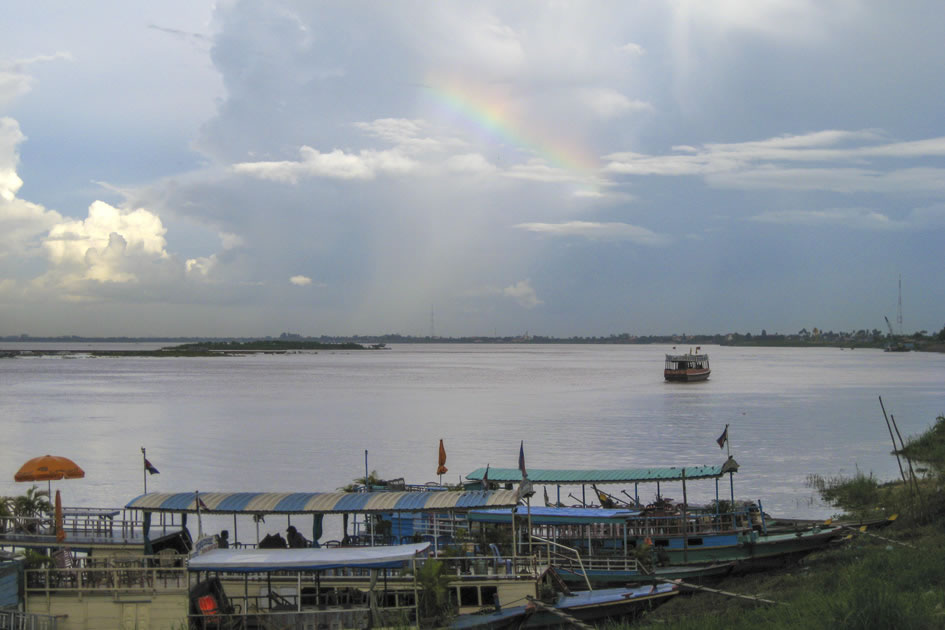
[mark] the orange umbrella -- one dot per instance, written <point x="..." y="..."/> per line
<point x="49" y="467"/>
<point x="60" y="529"/>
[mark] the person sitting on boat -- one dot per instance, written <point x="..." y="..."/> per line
<point x="223" y="539"/>
<point x="272" y="541"/>
<point x="294" y="538"/>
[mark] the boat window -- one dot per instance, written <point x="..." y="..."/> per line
<point x="695" y="542"/>
<point x="661" y="542"/>
<point x="469" y="596"/>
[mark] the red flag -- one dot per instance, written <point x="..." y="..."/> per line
<point x="441" y="466"/>
<point x="200" y="504"/>
<point x="148" y="466"/>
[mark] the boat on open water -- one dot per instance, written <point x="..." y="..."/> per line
<point x="686" y="368"/>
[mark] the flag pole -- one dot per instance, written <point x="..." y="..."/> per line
<point x="144" y="468"/>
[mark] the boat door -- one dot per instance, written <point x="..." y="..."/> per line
<point x="135" y="616"/>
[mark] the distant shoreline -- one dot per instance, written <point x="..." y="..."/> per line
<point x="224" y="347"/>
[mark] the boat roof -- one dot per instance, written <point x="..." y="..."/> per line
<point x="542" y="515"/>
<point x="264" y="560"/>
<point x="602" y="476"/>
<point x="323" y="502"/>
<point x="686" y="357"/>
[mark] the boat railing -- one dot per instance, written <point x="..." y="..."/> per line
<point x="10" y="619"/>
<point x="512" y="567"/>
<point x="86" y="523"/>
<point x="115" y="574"/>
<point x="552" y="557"/>
<point x="693" y="524"/>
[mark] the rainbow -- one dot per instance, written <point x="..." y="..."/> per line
<point x="491" y="117"/>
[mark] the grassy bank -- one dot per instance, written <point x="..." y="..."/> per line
<point x="896" y="581"/>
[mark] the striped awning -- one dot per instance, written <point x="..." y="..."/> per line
<point x="602" y="476"/>
<point x="323" y="502"/>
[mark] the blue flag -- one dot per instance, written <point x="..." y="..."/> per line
<point x="723" y="438"/>
<point x="521" y="459"/>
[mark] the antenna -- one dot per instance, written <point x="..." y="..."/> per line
<point x="432" y="324"/>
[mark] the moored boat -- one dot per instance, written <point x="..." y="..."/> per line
<point x="609" y="603"/>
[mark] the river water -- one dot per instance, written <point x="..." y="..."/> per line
<point x="302" y="422"/>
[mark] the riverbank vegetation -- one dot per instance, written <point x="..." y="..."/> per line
<point x="893" y="577"/>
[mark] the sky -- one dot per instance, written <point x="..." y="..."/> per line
<point x="246" y="168"/>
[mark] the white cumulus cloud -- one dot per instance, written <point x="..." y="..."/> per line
<point x="300" y="281"/>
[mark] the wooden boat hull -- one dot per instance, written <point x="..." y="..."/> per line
<point x="755" y="547"/>
<point x="611" y="603"/>
<point x="686" y="376"/>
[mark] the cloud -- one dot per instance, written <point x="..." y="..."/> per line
<point x="201" y="267"/>
<point x="300" y="281"/>
<point x="863" y="218"/>
<point x="231" y="241"/>
<point x="523" y="293"/>
<point x="337" y="165"/>
<point x="470" y="164"/>
<point x="857" y="218"/>
<point x="837" y="160"/>
<point x="100" y="247"/>
<point x="14" y="79"/>
<point x="598" y="231"/>
<point x="21" y="222"/>
<point x="405" y="134"/>
<point x="609" y="103"/>
<point x="632" y="49"/>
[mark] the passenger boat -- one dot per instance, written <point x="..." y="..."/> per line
<point x="138" y="563"/>
<point x="687" y="368"/>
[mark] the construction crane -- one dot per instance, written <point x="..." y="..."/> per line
<point x="892" y="335"/>
<point x="894" y="345"/>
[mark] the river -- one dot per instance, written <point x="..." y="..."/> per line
<point x="302" y="422"/>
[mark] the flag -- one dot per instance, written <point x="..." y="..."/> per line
<point x="200" y="504"/>
<point x="485" y="478"/>
<point x="723" y="438"/>
<point x="521" y="460"/>
<point x="148" y="466"/>
<point x="441" y="467"/>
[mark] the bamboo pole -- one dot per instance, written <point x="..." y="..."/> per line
<point x="915" y="482"/>
<point x="718" y="592"/>
<point x="862" y="530"/>
<point x="895" y="448"/>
